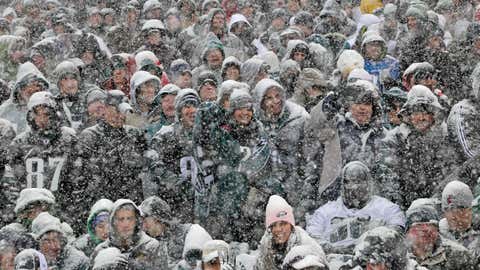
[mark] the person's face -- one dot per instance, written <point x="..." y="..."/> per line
<point x="124" y="223"/>
<point x="248" y="11"/>
<point x="113" y="117"/>
<point x="41" y="117"/>
<point x="232" y="73"/>
<point x="238" y="28"/>
<point x="390" y="24"/>
<point x="208" y="92"/>
<point x="131" y="16"/>
<point x="281" y="231"/>
<point x="69" y="85"/>
<point x="173" y="23"/>
<point x="59" y="29"/>
<point x="422" y="236"/>
<point x="184" y="81"/>
<point x="436" y="43"/>
<point x="373" y="50"/>
<point x="38" y="60"/>
<point x="260" y="76"/>
<point x="422" y="121"/>
<point x="293" y="6"/>
<point x="411" y="23"/>
<point x="95" y="20"/>
<point x="212" y="265"/>
<point x="154" y="38"/>
<point x="278" y="24"/>
<point x="153" y="227"/>
<point x="51" y="246"/>
<point x="87" y="58"/>
<point x="155" y="14"/>
<point x="299" y="56"/>
<point x="429" y="82"/>
<point x="316" y="91"/>
<point x="362" y="113"/>
<point x="7" y="259"/>
<point x="393" y="113"/>
<point x="377" y="266"/>
<point x="168" y="105"/>
<point x="29" y="90"/>
<point x="96" y="110"/>
<point x="218" y="21"/>
<point x="34" y="12"/>
<point x="280" y="4"/>
<point x="459" y="219"/>
<point x="355" y="188"/>
<point x="188" y="116"/>
<point x="102" y="230"/>
<point x="119" y="75"/>
<point x="147" y="93"/>
<point x="108" y="19"/>
<point x="215" y="59"/>
<point x="32" y="212"/>
<point x="272" y="102"/>
<point x="243" y="116"/>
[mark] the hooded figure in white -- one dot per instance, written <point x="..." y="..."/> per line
<point x="339" y="223"/>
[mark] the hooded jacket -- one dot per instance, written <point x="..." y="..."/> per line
<point x="286" y="135"/>
<point x="233" y="46"/>
<point x="137" y="118"/>
<point x="412" y="164"/>
<point x="42" y="158"/>
<point x="328" y="221"/>
<point x="109" y="163"/>
<point x="73" y="107"/>
<point x="143" y="252"/>
<point x="308" y="78"/>
<point x="14" y="109"/>
<point x="89" y="241"/>
<point x="176" y="176"/>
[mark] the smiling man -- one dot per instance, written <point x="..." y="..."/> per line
<point x="415" y="156"/>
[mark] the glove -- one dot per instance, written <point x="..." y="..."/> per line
<point x="330" y="105"/>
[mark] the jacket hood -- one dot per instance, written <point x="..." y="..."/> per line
<point x="102" y="205"/>
<point x="292" y="44"/>
<point x="230" y="61"/>
<point x="28" y="72"/>
<point x="138" y="228"/>
<point x="226" y="89"/>
<point x="374" y="37"/>
<point x="210" y="16"/>
<point x="236" y="18"/>
<point x="259" y="94"/>
<point x="421" y="96"/>
<point x="146" y="58"/>
<point x="196" y="238"/>
<point x="308" y="77"/>
<point x="348" y="60"/>
<point x="151" y="5"/>
<point x="66" y="68"/>
<point x="28" y="258"/>
<point x="139" y="78"/>
<point x="212" y="42"/>
<point x="250" y="69"/>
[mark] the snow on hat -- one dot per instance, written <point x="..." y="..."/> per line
<point x="41" y="98"/>
<point x="359" y="74"/>
<point x="278" y="210"/>
<point x="456" y="194"/>
<point x="421" y="211"/>
<point x="349" y="60"/>
<point x="240" y="98"/>
<point x="155" y="207"/>
<point x="118" y="99"/>
<point x="301" y="257"/>
<point x="216" y="249"/>
<point x="45" y="223"/>
<point x="95" y="94"/>
<point x="108" y="257"/>
<point x="196" y="239"/>
<point x="32" y="195"/>
<point x="25" y="260"/>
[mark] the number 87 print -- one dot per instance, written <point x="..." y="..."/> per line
<point x="36" y="173"/>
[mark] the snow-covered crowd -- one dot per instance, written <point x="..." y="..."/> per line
<point x="240" y="134"/>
